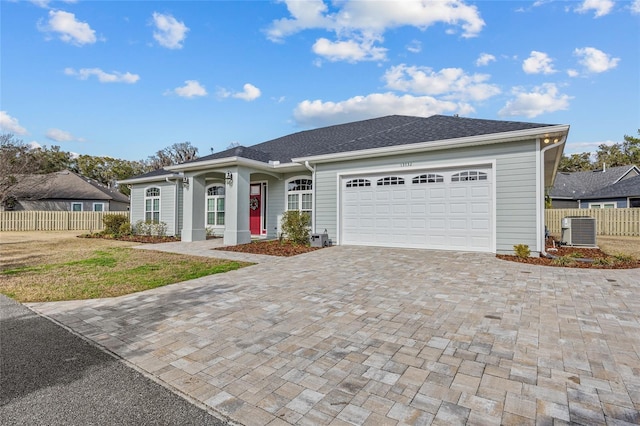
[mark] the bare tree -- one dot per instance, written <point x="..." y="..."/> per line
<point x="16" y="160"/>
<point x="174" y="154"/>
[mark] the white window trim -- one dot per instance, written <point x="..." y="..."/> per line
<point x="98" y="204"/>
<point x="77" y="204"/>
<point x="602" y="205"/>
<point x="215" y="197"/>
<point x="146" y="197"/>
<point x="306" y="191"/>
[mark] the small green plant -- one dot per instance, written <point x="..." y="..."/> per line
<point x="575" y="255"/>
<point x="125" y="229"/>
<point x="522" y="250"/>
<point x="623" y="258"/>
<point x="603" y="261"/>
<point x="113" y="222"/>
<point x="564" y="261"/>
<point x="295" y="225"/>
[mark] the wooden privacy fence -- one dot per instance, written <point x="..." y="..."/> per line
<point x="53" y="221"/>
<point x="614" y="222"/>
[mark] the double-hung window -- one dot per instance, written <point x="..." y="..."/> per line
<point x="215" y="206"/>
<point x="152" y="205"/>
<point x="300" y="195"/>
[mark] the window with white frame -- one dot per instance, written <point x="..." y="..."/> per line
<point x="300" y="195"/>
<point x="98" y="207"/>
<point x="215" y="206"/>
<point x="390" y="180"/>
<point x="356" y="183"/>
<point x="152" y="205"/>
<point x="602" y="205"/>
<point x="428" y="178"/>
<point x="76" y="207"/>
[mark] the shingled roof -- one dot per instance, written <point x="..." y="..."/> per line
<point x="625" y="188"/>
<point x="577" y="185"/>
<point x="392" y="130"/>
<point x="64" y="185"/>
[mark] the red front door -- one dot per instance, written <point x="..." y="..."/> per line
<point x="255" y="210"/>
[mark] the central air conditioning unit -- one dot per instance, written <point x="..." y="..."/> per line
<point x="579" y="231"/>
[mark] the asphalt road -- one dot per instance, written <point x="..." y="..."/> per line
<point x="49" y="376"/>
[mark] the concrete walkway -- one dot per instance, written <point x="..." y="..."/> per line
<point x="360" y="335"/>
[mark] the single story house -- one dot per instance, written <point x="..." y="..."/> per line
<point x="440" y="182"/>
<point x="64" y="191"/>
<point x="607" y="188"/>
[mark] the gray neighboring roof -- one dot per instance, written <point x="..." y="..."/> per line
<point x="577" y="185"/>
<point x="392" y="130"/>
<point x="64" y="185"/>
<point x="625" y="188"/>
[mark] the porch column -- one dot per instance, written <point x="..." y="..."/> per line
<point x="236" y="215"/>
<point x="193" y="210"/>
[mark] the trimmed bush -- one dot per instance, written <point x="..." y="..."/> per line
<point x="113" y="223"/>
<point x="522" y="250"/>
<point x="295" y="225"/>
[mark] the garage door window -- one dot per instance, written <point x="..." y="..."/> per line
<point x="390" y="180"/>
<point x="468" y="175"/>
<point x="300" y="195"/>
<point x="356" y="183"/>
<point x="428" y="178"/>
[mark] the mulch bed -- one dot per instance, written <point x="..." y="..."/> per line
<point x="270" y="248"/>
<point x="585" y="253"/>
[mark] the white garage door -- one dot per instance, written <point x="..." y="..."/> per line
<point x="446" y="210"/>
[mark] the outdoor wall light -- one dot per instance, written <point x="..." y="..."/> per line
<point x="228" y="178"/>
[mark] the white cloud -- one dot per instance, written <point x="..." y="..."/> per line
<point x="359" y="24"/>
<point x="60" y="135"/>
<point x="34" y="145"/>
<point x="601" y="7"/>
<point x="319" y="113"/>
<point x="485" y="59"/>
<point x="542" y="99"/>
<point x="45" y="3"/>
<point x="416" y="46"/>
<point x="635" y="7"/>
<point x="249" y="93"/>
<point x="170" y="32"/>
<point x="538" y="63"/>
<point x="350" y="50"/>
<point x="595" y="60"/>
<point x="103" y="77"/>
<point x="572" y="73"/>
<point x="68" y="28"/>
<point x="191" y="89"/>
<point x="10" y="124"/>
<point x="451" y="83"/>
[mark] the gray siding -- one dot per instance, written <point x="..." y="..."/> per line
<point x="564" y="204"/>
<point x="621" y="202"/>
<point x="515" y="186"/>
<point x="65" y="205"/>
<point x="167" y="204"/>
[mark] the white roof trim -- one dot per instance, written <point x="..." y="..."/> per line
<point x="151" y="178"/>
<point x="491" y="138"/>
<point x="626" y="173"/>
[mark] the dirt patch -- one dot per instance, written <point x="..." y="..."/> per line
<point x="145" y="239"/>
<point x="270" y="248"/>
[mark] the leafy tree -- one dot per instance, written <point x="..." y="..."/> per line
<point x="107" y="170"/>
<point x="52" y="159"/>
<point x="174" y="154"/>
<point x="576" y="162"/>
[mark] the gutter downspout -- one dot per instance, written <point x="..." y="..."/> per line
<point x="175" y="209"/>
<point x="313" y="195"/>
<point x="543" y="252"/>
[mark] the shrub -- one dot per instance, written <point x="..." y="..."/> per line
<point x="295" y="225"/>
<point x="563" y="261"/>
<point x="623" y="258"/>
<point x="150" y="228"/>
<point x="522" y="250"/>
<point x="113" y="222"/>
<point x="125" y="229"/>
<point x="603" y="261"/>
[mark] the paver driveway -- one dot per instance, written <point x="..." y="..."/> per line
<point x="356" y="335"/>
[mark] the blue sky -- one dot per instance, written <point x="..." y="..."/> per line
<point x="128" y="78"/>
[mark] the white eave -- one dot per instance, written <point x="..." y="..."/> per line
<point x="492" y="138"/>
<point x="233" y="161"/>
<point x="155" y="178"/>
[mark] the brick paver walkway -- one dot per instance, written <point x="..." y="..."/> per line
<point x="356" y="335"/>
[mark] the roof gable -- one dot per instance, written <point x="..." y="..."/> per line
<point x="577" y="185"/>
<point x="389" y="131"/>
<point x="64" y="185"/>
<point x="629" y="187"/>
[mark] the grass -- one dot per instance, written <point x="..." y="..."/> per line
<point x="71" y="268"/>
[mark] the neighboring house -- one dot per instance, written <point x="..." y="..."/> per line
<point x="64" y="191"/>
<point x="440" y="182"/>
<point x="605" y="188"/>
